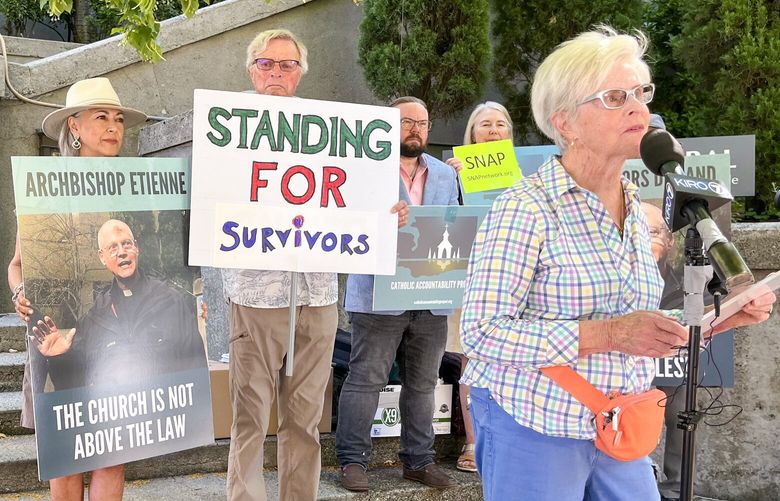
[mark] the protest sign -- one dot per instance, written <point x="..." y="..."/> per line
<point x="741" y="151"/>
<point x="487" y="166"/>
<point x="293" y="184"/>
<point x="433" y="254"/>
<point x="119" y="370"/>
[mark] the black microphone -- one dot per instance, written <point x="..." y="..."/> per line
<point x="689" y="200"/>
<point x="662" y="153"/>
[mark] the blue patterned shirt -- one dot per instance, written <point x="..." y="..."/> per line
<point x="546" y="256"/>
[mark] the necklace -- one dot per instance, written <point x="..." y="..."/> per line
<point x="414" y="172"/>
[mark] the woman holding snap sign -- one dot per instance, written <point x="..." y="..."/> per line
<point x="92" y="124"/>
<point x="563" y="289"/>
<point x="489" y="121"/>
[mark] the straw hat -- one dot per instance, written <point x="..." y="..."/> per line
<point x="86" y="94"/>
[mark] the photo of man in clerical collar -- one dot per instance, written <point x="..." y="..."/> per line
<point x="666" y="252"/>
<point x="138" y="326"/>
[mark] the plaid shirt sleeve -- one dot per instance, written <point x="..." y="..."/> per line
<point x="502" y="268"/>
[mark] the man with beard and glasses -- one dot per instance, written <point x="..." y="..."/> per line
<point x="417" y="338"/>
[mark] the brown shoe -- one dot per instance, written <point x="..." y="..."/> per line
<point x="354" y="477"/>
<point x="431" y="475"/>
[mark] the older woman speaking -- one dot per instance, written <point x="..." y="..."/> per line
<point x="562" y="274"/>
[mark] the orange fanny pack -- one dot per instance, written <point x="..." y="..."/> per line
<point x="628" y="427"/>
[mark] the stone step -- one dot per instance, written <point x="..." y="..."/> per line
<point x="12" y="370"/>
<point x="12" y="331"/>
<point x="23" y="50"/>
<point x="10" y="413"/>
<point x="20" y="471"/>
<point x="386" y="484"/>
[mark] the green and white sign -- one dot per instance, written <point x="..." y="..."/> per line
<point x="433" y="254"/>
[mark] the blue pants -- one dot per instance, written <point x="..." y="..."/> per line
<point x="517" y="463"/>
<point x="418" y="339"/>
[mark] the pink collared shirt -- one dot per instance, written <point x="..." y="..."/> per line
<point x="415" y="186"/>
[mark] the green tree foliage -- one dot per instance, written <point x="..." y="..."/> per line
<point x="137" y="20"/>
<point x="437" y="51"/>
<point x="526" y="32"/>
<point x="107" y="18"/>
<point x="676" y="98"/>
<point x="17" y="13"/>
<point x="725" y="56"/>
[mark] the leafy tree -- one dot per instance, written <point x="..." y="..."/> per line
<point x="138" y="20"/>
<point x="676" y="98"/>
<point x="17" y="13"/>
<point x="725" y="58"/>
<point x="437" y="51"/>
<point x="526" y="32"/>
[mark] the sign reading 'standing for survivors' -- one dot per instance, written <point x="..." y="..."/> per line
<point x="293" y="184"/>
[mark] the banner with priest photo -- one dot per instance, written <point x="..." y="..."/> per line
<point x="118" y="360"/>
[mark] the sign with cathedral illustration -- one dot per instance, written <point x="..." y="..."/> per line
<point x="433" y="254"/>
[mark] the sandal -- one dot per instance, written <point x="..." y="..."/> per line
<point x="466" y="460"/>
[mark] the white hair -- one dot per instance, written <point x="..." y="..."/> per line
<point x="576" y="69"/>
<point x="262" y="39"/>
<point x="65" y="140"/>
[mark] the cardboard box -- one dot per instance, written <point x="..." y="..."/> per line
<point x="387" y="420"/>
<point x="222" y="412"/>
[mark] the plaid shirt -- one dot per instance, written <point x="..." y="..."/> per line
<point x="546" y="256"/>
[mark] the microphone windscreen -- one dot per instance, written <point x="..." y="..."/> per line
<point x="657" y="148"/>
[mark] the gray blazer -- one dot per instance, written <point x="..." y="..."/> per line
<point x="441" y="188"/>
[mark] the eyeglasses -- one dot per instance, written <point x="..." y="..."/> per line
<point x="614" y="99"/>
<point x="265" y="64"/>
<point x="126" y="245"/>
<point x="408" y="124"/>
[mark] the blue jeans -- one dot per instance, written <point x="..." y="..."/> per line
<point x="517" y="463"/>
<point x="418" y="339"/>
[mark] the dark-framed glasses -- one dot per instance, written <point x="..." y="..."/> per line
<point x="614" y="99"/>
<point x="408" y="124"/>
<point x="265" y="64"/>
<point x="113" y="249"/>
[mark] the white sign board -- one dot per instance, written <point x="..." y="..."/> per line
<point x="282" y="183"/>
<point x="387" y="419"/>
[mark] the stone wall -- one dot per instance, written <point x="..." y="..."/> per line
<point x="741" y="460"/>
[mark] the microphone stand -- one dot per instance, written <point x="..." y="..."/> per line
<point x="697" y="274"/>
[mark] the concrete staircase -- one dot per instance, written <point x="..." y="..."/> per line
<point x="198" y="474"/>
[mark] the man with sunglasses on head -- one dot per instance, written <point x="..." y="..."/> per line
<point x="417" y="338"/>
<point x="258" y="339"/>
<point x="137" y="326"/>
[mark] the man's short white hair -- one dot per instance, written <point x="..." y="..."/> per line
<point x="576" y="69"/>
<point x="262" y="39"/>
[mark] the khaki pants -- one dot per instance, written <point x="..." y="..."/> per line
<point x="258" y="344"/>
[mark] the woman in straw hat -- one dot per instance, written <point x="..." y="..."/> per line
<point x="92" y="124"/>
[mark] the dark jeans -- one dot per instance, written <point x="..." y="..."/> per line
<point x="418" y="338"/>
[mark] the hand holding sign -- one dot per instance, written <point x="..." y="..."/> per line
<point x="487" y="166"/>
